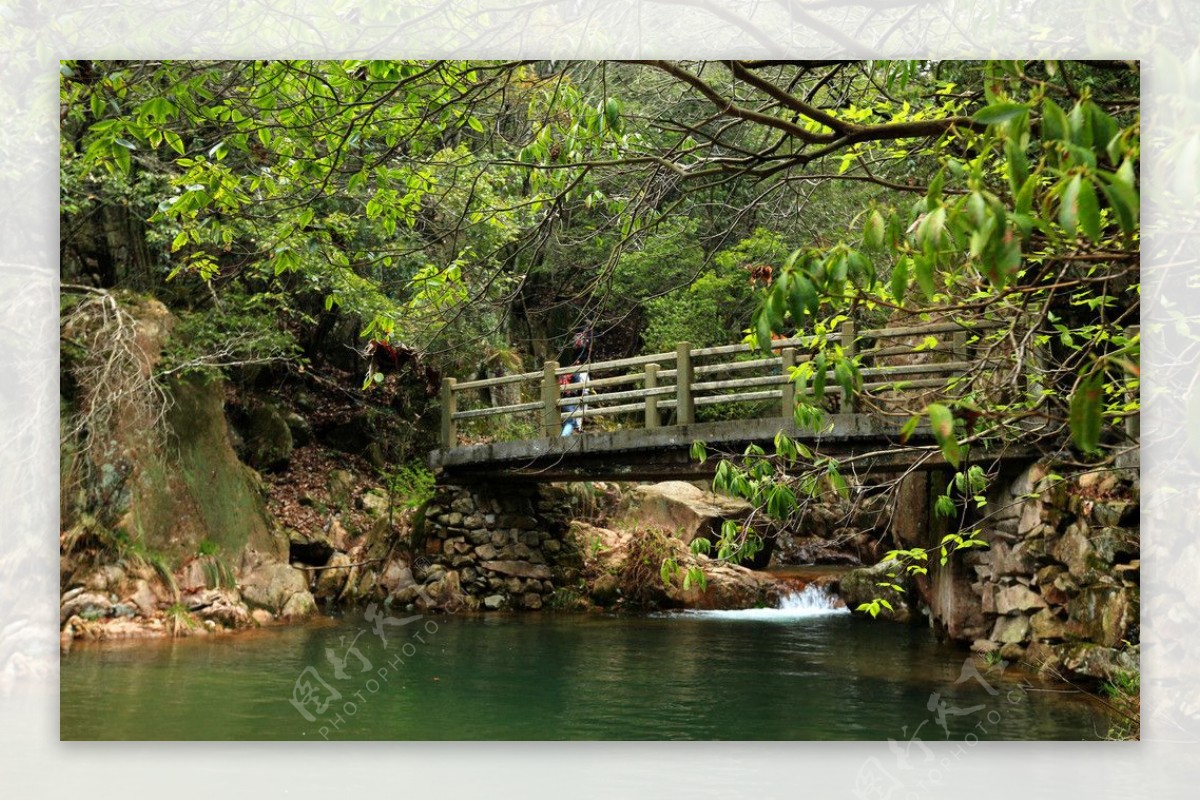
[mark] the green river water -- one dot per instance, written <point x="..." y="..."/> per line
<point x="804" y="672"/>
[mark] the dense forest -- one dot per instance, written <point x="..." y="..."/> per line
<point x="475" y="215"/>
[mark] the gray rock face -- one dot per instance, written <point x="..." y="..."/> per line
<point x="271" y="585"/>
<point x="87" y="605"/>
<point x="300" y="604"/>
<point x="517" y="569"/>
<point x="396" y="576"/>
<point x="222" y="605"/>
<point x="1106" y="614"/>
<point x="605" y="589"/>
<point x="1017" y="598"/>
<point x="862" y="585"/>
<point x="1100" y="662"/>
<point x="332" y="580"/>
<point x="267" y="438"/>
<point x="144" y="599"/>
<point x="683" y="509"/>
<point x="1011" y="629"/>
<point x="374" y="502"/>
<point x="495" y="601"/>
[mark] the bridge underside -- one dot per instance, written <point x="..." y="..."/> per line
<point x="664" y="453"/>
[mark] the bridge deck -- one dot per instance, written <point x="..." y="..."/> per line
<point x="664" y="453"/>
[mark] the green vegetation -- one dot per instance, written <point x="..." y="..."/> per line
<point x="471" y="216"/>
<point x="1123" y="692"/>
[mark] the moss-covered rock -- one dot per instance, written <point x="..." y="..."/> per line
<point x="862" y="586"/>
<point x="267" y="437"/>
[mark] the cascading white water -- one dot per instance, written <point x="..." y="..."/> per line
<point x="812" y="601"/>
<point x="812" y="598"/>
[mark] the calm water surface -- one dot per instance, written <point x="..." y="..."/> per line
<point x="799" y="673"/>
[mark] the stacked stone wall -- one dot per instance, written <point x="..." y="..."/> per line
<point x="507" y="546"/>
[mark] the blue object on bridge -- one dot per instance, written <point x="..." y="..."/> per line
<point x="574" y="424"/>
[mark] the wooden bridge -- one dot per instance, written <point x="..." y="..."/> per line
<point x="646" y="432"/>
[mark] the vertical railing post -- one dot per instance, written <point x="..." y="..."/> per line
<point x="449" y="407"/>
<point x="958" y="353"/>
<point x="651" y="383"/>
<point x="551" y="422"/>
<point x="849" y="336"/>
<point x="787" y="362"/>
<point x="958" y="346"/>
<point x="1034" y="369"/>
<point x="685" y="410"/>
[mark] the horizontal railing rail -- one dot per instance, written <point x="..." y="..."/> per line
<point x="682" y="380"/>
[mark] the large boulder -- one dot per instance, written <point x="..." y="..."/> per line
<point x="729" y="587"/>
<point x="332" y="580"/>
<point x="681" y="509"/>
<point x="863" y="585"/>
<point x="300" y="604"/>
<point x="87" y="605"/>
<point x="443" y="593"/>
<point x="396" y="576"/>
<point x="1106" y="613"/>
<point x="687" y="512"/>
<point x="222" y="605"/>
<point x="266" y="437"/>
<point x="271" y="585"/>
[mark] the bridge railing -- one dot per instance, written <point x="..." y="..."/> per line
<point x="655" y="386"/>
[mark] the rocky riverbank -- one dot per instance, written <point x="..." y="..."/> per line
<point x="1057" y="588"/>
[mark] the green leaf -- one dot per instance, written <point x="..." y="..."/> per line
<point x="929" y="232"/>
<point x="1068" y="210"/>
<point x="1124" y="174"/>
<point x="802" y="297"/>
<point x="475" y="124"/>
<point x="1085" y="417"/>
<point x="1024" y="200"/>
<point x="924" y="270"/>
<point x="941" y="420"/>
<point x="699" y="451"/>
<point x="1080" y="127"/>
<point x="899" y="281"/>
<point x="1054" y="121"/>
<point x="174" y="141"/>
<point x="762" y="328"/>
<point x="909" y="427"/>
<point x="999" y="112"/>
<point x="1104" y="127"/>
<point x="776" y="306"/>
<point x="862" y="274"/>
<point x="977" y="209"/>
<point x="874" y="231"/>
<point x="612" y="113"/>
<point x="1124" y="202"/>
<point x="845" y="378"/>
<point x="934" y="196"/>
<point x="1018" y="165"/>
<point x="120" y="155"/>
<point x="1089" y="210"/>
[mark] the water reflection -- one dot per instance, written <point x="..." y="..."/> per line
<point x="807" y="671"/>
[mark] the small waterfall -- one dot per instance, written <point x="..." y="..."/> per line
<point x="813" y="598"/>
<point x="812" y="601"/>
